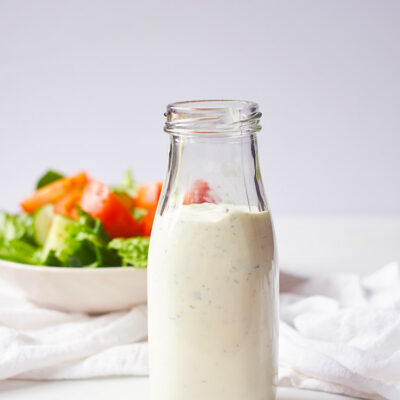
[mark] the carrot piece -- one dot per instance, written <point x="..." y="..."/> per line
<point x="53" y="192"/>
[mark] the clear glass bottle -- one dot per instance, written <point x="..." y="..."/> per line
<point x="212" y="275"/>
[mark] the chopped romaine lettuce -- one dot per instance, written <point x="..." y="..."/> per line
<point x="20" y="251"/>
<point x="17" y="241"/>
<point x="85" y="243"/>
<point x="138" y="213"/>
<point x="52" y="259"/>
<point x="127" y="185"/>
<point x="133" y="251"/>
<point x="18" y="226"/>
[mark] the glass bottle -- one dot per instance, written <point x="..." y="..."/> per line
<point x="212" y="275"/>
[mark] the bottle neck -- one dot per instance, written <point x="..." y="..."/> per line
<point x="220" y="169"/>
<point x="212" y="118"/>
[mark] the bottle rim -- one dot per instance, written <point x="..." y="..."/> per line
<point x="212" y="117"/>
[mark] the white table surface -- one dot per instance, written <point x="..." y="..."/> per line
<point x="305" y="245"/>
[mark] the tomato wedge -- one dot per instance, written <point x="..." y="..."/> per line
<point x="128" y="201"/>
<point x="200" y="192"/>
<point x="146" y="222"/>
<point x="100" y="202"/>
<point x="53" y="192"/>
<point x="67" y="204"/>
<point x="147" y="197"/>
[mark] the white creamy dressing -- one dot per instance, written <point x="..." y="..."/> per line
<point x="212" y="304"/>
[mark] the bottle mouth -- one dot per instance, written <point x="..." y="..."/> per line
<point x="212" y="117"/>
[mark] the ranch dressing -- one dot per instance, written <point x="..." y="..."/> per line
<point x="212" y="296"/>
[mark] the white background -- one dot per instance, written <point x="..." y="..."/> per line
<point x="84" y="84"/>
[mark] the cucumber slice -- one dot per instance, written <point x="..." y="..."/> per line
<point x="56" y="236"/>
<point x="42" y="221"/>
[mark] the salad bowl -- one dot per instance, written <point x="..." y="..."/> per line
<point x="79" y="245"/>
<point x="89" y="290"/>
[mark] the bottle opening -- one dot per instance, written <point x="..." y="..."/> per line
<point x="212" y="117"/>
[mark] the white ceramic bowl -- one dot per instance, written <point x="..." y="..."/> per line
<point x="90" y="290"/>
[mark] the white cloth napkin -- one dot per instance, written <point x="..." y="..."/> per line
<point x="37" y="343"/>
<point x="341" y="333"/>
<point x="338" y="333"/>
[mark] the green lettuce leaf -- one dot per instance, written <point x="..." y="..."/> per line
<point x="18" y="226"/>
<point x="138" y="213"/>
<point x="133" y="251"/>
<point x="19" y="251"/>
<point x="48" y="177"/>
<point x="52" y="259"/>
<point x="127" y="185"/>
<point x="86" y="244"/>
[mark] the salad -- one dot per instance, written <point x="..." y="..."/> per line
<point x="78" y="221"/>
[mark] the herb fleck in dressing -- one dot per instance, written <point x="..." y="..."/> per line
<point x="212" y="325"/>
